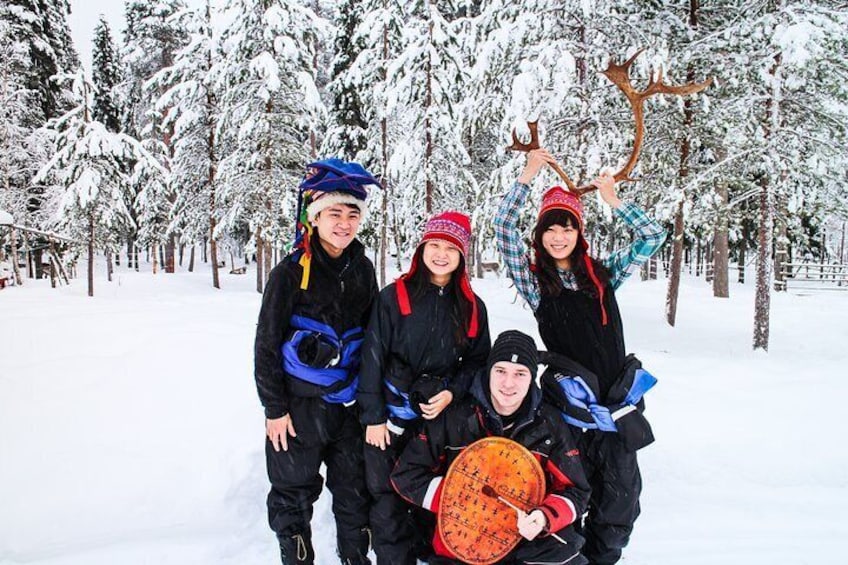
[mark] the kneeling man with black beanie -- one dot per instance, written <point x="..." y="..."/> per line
<point x="505" y="401"/>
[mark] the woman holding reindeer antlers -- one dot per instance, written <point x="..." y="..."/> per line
<point x="573" y="298"/>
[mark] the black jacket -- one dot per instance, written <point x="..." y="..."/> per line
<point x="570" y="324"/>
<point x="538" y="426"/>
<point x="404" y="348"/>
<point x="340" y="294"/>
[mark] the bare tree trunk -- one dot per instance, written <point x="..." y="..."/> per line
<point x="259" y="256"/>
<point x="38" y="261"/>
<point x="132" y="253"/>
<point x="108" y="265"/>
<point x="676" y="267"/>
<point x="762" y="299"/>
<point x="213" y="221"/>
<point x="780" y="255"/>
<point x="191" y="258"/>
<point x="428" y="138"/>
<point x="57" y="262"/>
<point x="384" y="206"/>
<point x="91" y="255"/>
<point x="698" y="256"/>
<point x="212" y="171"/>
<point x="396" y="233"/>
<point x="743" y="251"/>
<point x="478" y="258"/>
<point x="677" y="238"/>
<point x="28" y="257"/>
<point x="155" y="258"/>
<point x="52" y="270"/>
<point x="182" y="253"/>
<point x="268" y="265"/>
<point x="15" y="268"/>
<point x="721" y="287"/>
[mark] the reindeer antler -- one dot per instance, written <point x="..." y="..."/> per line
<point x="534" y="144"/>
<point x="620" y="76"/>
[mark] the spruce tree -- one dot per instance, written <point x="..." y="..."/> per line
<point x="151" y="39"/>
<point x="190" y="109"/>
<point x="89" y="165"/>
<point x="347" y="137"/>
<point x="268" y="104"/>
<point x="106" y="75"/>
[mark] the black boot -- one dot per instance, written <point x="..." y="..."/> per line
<point x="297" y="549"/>
<point x="355" y="551"/>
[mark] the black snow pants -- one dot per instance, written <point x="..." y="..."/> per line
<point x="330" y="434"/>
<point x="401" y="531"/>
<point x="613" y="474"/>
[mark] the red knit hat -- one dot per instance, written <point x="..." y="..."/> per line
<point x="455" y="228"/>
<point x="557" y="198"/>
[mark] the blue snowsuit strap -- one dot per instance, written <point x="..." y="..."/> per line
<point x="404" y="411"/>
<point x="341" y="375"/>
<point x="583" y="408"/>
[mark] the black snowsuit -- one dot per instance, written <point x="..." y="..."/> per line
<point x="537" y="426"/>
<point x="570" y="324"/>
<point x="418" y="353"/>
<point x="340" y="294"/>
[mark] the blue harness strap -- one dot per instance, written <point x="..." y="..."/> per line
<point x="403" y="412"/>
<point x="341" y="374"/>
<point x="582" y="401"/>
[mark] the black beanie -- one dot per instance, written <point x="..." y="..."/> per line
<point x="515" y="347"/>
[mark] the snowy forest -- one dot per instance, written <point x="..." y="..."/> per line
<point x="185" y="143"/>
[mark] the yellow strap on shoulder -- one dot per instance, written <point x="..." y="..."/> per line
<point x="306" y="263"/>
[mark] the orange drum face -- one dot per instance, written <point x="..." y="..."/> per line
<point x="478" y="528"/>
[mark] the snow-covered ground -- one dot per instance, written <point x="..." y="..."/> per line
<point x="130" y="431"/>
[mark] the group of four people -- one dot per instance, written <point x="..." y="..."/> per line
<point x="387" y="387"/>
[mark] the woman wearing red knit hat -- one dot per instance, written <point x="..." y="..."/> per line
<point x="573" y="298"/>
<point x="427" y="336"/>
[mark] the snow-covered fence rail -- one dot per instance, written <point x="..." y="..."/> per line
<point x="814" y="276"/>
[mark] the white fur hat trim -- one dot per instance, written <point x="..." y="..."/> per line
<point x="333" y="198"/>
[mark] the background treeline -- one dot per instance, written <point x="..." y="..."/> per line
<point x="190" y="134"/>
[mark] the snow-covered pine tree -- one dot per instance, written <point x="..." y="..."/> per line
<point x="378" y="36"/>
<point x="346" y="134"/>
<point x="267" y="106"/>
<point x="41" y="27"/>
<point x="502" y="50"/>
<point x="106" y="75"/>
<point x="19" y="143"/>
<point x="90" y="164"/>
<point x="429" y="160"/>
<point x="190" y="110"/>
<point x="150" y="41"/>
<point x="793" y="108"/>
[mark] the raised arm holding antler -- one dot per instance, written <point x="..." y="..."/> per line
<point x="620" y="76"/>
<point x="573" y="298"/>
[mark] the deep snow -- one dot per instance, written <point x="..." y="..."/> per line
<point x="130" y="431"/>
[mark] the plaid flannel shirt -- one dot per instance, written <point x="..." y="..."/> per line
<point x="649" y="236"/>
